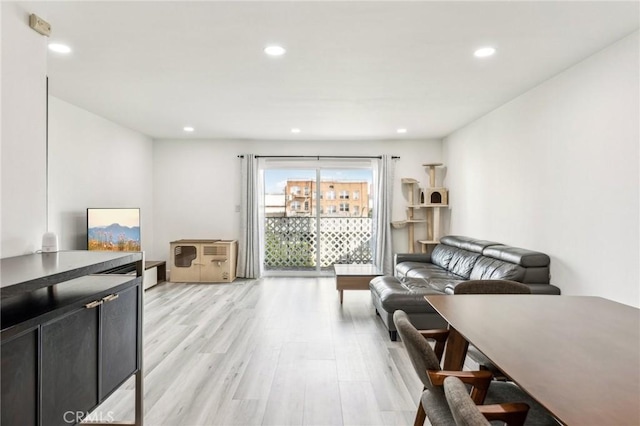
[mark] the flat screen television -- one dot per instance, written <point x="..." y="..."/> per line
<point x="113" y="229"/>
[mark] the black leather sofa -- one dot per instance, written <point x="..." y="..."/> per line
<point x="454" y="260"/>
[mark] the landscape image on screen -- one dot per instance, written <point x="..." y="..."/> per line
<point x="113" y="229"/>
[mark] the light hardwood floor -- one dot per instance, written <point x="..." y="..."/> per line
<point x="273" y="351"/>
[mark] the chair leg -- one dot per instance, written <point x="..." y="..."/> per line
<point x="421" y="416"/>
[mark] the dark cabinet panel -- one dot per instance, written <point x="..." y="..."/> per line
<point x="119" y="339"/>
<point x="69" y="366"/>
<point x="69" y="336"/>
<point x="19" y="380"/>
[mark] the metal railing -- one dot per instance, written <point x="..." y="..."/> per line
<point x="291" y="242"/>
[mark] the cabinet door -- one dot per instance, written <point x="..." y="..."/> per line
<point x="215" y="263"/>
<point x="119" y="336"/>
<point x="69" y="367"/>
<point x="19" y="380"/>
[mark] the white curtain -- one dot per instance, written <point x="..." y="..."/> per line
<point x="382" y="246"/>
<point x="249" y="244"/>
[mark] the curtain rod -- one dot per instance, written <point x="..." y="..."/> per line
<point x="319" y="156"/>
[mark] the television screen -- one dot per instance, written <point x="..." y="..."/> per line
<point x="113" y="229"/>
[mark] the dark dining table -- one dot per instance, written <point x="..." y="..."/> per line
<point x="578" y="356"/>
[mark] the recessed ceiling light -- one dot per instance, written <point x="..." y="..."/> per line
<point x="401" y="131"/>
<point x="274" y="50"/>
<point x="483" y="52"/>
<point x="188" y="129"/>
<point x="295" y="130"/>
<point x="59" y="48"/>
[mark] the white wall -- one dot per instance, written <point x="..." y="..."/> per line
<point x="197" y="183"/>
<point x="94" y="162"/>
<point x="556" y="170"/>
<point x="23" y="181"/>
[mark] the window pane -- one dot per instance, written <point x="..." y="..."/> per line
<point x="304" y="231"/>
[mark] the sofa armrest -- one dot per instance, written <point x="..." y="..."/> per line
<point x="411" y="257"/>
<point x="543" y="288"/>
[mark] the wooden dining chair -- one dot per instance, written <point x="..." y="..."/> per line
<point x="482" y="386"/>
<point x="457" y="408"/>
<point x="424" y="358"/>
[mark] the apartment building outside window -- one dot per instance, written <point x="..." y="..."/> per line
<point x="306" y="191"/>
<point x="318" y="217"/>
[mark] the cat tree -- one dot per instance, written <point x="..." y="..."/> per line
<point x="432" y="199"/>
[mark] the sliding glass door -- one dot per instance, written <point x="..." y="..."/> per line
<point x="345" y="216"/>
<point x="289" y="221"/>
<point x="316" y="216"/>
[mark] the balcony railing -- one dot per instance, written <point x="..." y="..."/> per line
<point x="290" y="242"/>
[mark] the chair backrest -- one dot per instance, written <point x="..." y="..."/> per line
<point x="464" y="410"/>
<point x="420" y="353"/>
<point x="491" y="287"/>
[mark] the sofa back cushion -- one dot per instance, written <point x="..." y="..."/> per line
<point x="442" y="255"/>
<point x="487" y="268"/>
<point x="520" y="256"/>
<point x="462" y="263"/>
<point x="535" y="264"/>
<point x="455" y="260"/>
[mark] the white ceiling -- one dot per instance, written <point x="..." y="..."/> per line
<point x="353" y="70"/>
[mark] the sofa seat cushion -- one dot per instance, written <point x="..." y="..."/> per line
<point x="487" y="268"/>
<point x="394" y="294"/>
<point x="438" y="284"/>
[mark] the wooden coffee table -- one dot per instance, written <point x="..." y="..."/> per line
<point x="354" y="277"/>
